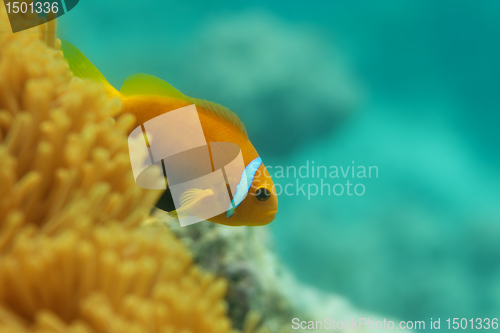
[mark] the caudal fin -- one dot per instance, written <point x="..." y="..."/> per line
<point x="84" y="69"/>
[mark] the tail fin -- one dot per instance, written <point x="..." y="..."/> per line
<point x="84" y="69"/>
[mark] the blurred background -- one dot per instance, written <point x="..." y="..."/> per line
<point x="408" y="86"/>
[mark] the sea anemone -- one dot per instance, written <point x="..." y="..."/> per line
<point x="62" y="155"/>
<point x="72" y="255"/>
<point x="107" y="279"/>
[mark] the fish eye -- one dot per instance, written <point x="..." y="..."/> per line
<point x="262" y="194"/>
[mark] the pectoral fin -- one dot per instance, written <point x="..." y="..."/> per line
<point x="193" y="202"/>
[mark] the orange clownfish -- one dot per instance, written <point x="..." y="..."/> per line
<point x="255" y="202"/>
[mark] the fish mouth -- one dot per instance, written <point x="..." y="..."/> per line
<point x="272" y="212"/>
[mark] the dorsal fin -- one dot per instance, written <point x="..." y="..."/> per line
<point x="83" y="68"/>
<point x="145" y="84"/>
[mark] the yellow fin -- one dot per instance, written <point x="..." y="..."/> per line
<point x="191" y="201"/>
<point x="144" y="84"/>
<point x="83" y="68"/>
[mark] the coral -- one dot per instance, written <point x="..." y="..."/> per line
<point x="246" y="258"/>
<point x="263" y="295"/>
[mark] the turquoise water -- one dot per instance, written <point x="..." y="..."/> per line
<point x="407" y="87"/>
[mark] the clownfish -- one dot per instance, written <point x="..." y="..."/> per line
<point x="145" y="96"/>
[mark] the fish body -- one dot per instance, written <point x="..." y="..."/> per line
<point x="254" y="201"/>
<point x="215" y="128"/>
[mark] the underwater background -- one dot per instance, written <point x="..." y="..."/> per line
<point x="409" y="87"/>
